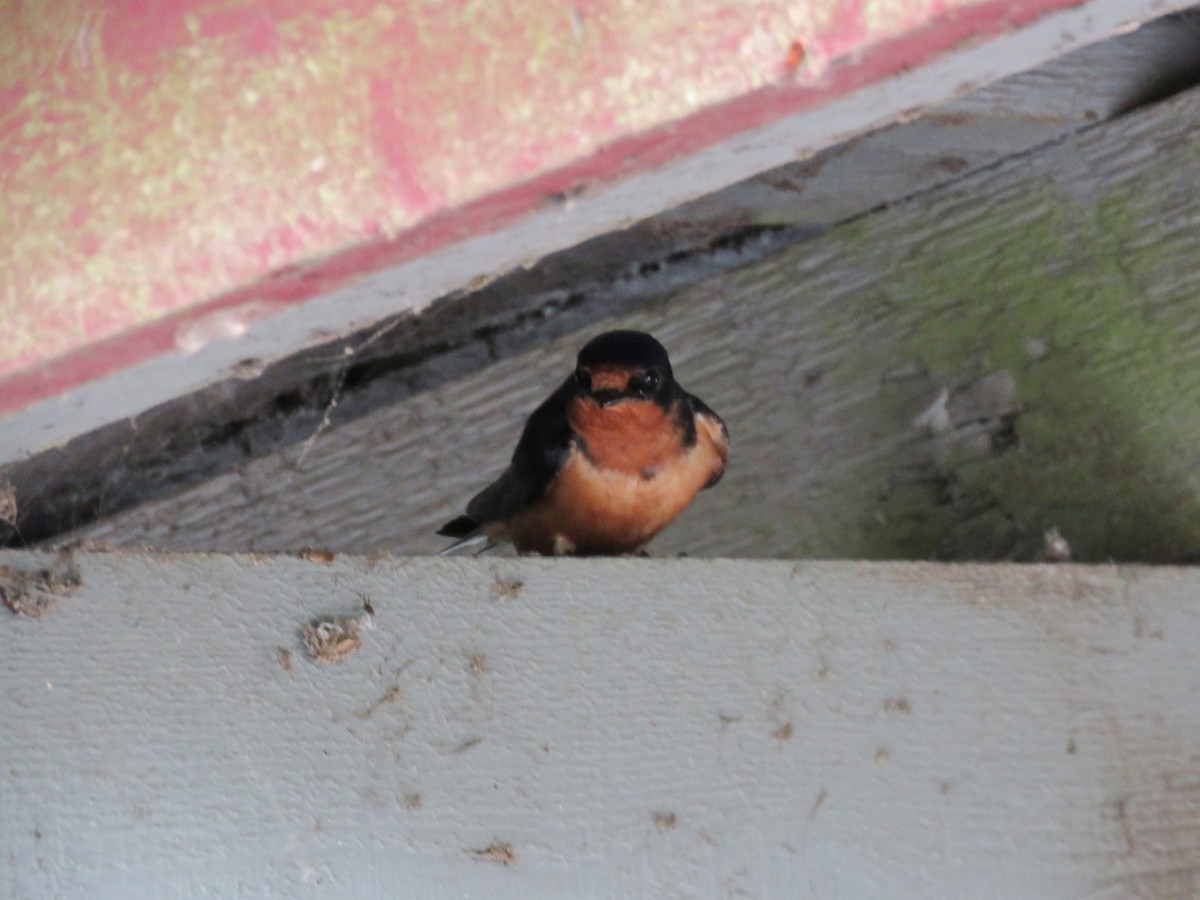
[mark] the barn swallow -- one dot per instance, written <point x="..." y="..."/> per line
<point x="606" y="462"/>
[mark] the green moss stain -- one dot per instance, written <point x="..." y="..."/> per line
<point x="1108" y="444"/>
<point x="1069" y="277"/>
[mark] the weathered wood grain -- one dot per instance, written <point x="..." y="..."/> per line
<point x="266" y="406"/>
<point x="948" y="377"/>
<point x="610" y="728"/>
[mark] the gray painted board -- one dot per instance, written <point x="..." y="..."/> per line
<point x="620" y="728"/>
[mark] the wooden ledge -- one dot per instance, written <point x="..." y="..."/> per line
<point x="653" y="728"/>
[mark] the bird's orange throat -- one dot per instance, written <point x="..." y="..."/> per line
<point x="632" y="436"/>
<point x="613" y="378"/>
<point x="633" y="477"/>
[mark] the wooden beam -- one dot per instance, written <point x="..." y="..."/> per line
<point x="952" y="377"/>
<point x="588" y="729"/>
<point x="263" y="406"/>
<point x="193" y="185"/>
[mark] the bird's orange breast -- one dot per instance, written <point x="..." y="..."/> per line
<point x="631" y="476"/>
<point x="633" y="436"/>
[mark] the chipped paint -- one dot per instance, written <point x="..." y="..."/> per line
<point x="154" y="156"/>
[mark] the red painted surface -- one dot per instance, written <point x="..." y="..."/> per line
<point x="399" y="144"/>
<point x="435" y="174"/>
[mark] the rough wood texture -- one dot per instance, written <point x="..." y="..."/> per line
<point x="1011" y="116"/>
<point x="950" y="377"/>
<point x="269" y="406"/>
<point x="756" y="729"/>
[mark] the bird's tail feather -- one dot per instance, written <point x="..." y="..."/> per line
<point x="470" y="541"/>
<point x="463" y="526"/>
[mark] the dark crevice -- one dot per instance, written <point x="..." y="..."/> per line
<point x="1174" y="73"/>
<point x="195" y="438"/>
<point x="1004" y="435"/>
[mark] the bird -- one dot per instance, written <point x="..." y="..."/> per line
<point x="606" y="462"/>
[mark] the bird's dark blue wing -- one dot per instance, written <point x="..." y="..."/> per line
<point x="699" y="407"/>
<point x="541" y="452"/>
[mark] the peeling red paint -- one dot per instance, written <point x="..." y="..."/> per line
<point x="846" y="30"/>
<point x="142" y="32"/>
<point x="10" y="99"/>
<point x="429" y="170"/>
<point x="145" y="30"/>
<point x="396" y="143"/>
<point x="250" y="31"/>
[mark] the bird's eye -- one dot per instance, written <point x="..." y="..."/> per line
<point x="647" y="383"/>
<point x="583" y="378"/>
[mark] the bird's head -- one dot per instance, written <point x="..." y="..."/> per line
<point x="624" y="365"/>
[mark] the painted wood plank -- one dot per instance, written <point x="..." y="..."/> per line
<point x="174" y="191"/>
<point x="266" y="407"/>
<point x="949" y="377"/>
<point x="628" y="728"/>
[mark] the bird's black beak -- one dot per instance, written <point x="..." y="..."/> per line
<point x="607" y="397"/>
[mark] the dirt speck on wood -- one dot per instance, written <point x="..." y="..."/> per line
<point x="783" y="732"/>
<point x="1055" y="548"/>
<point x="34" y="593"/>
<point x="818" y="802"/>
<point x="8" y="503"/>
<point x="508" y="588"/>
<point x="664" y="821"/>
<point x="391" y="695"/>
<point x="496" y="852"/>
<point x="311" y="554"/>
<point x="477" y="664"/>
<point x="469" y="744"/>
<point x="331" y="640"/>
<point x="284" y="655"/>
<point x="411" y="800"/>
